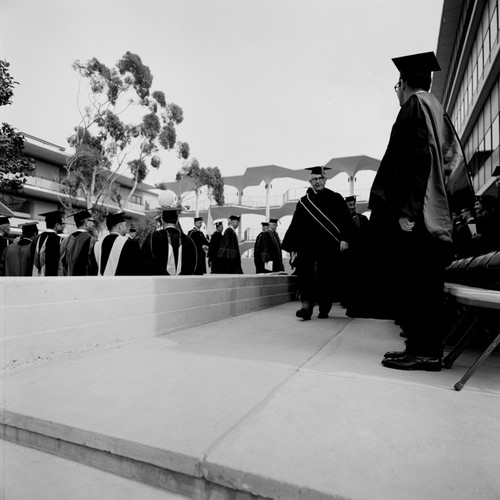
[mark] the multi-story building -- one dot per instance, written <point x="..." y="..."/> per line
<point x="469" y="84"/>
<point x="43" y="193"/>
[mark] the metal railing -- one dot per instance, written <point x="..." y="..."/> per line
<point x="291" y="195"/>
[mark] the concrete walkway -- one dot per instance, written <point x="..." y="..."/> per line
<point x="258" y="405"/>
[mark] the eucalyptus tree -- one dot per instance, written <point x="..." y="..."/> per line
<point x="14" y="166"/>
<point x="209" y="177"/>
<point x="124" y="127"/>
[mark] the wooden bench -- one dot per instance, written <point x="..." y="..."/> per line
<point x="473" y="286"/>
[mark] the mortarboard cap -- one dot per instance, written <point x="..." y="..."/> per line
<point x="425" y="62"/>
<point x="217" y="224"/>
<point x="274" y="221"/>
<point x="114" y="219"/>
<point x="53" y="218"/>
<point x="319" y="170"/>
<point x="350" y="198"/>
<point x="198" y="219"/>
<point x="29" y="229"/>
<point x="81" y="216"/>
<point x="234" y="217"/>
<point x="4" y="220"/>
<point x="264" y="224"/>
<point x="496" y="172"/>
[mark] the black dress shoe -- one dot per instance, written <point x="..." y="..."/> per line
<point x="414" y="363"/>
<point x="304" y="314"/>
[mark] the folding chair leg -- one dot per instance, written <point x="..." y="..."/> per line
<point x="461" y="344"/>
<point x="460" y="323"/>
<point x="460" y="384"/>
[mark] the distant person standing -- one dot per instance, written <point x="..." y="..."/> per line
<point x="229" y="256"/>
<point x="356" y="257"/>
<point x="116" y="254"/>
<point x="320" y="232"/>
<point x="213" y="248"/>
<point x="45" y="249"/>
<point x="496" y="208"/>
<point x="77" y="248"/>
<point x="411" y="208"/>
<point x="17" y="255"/>
<point x="4" y="240"/>
<point x="201" y="244"/>
<point x="263" y="250"/>
<point x="278" y="256"/>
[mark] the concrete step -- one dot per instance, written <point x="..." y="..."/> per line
<point x="30" y="474"/>
<point x="265" y="406"/>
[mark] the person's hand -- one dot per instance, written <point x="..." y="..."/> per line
<point x="344" y="246"/>
<point x="405" y="224"/>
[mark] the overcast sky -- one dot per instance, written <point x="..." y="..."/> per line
<point x="286" y="82"/>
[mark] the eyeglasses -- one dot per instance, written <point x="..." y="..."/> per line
<point x="396" y="87"/>
<point x="317" y="179"/>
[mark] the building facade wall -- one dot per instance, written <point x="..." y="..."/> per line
<point x="472" y="91"/>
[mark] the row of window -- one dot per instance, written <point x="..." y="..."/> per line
<point x="485" y="135"/>
<point x="485" y="40"/>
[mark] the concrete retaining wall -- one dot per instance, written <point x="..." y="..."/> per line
<point x="45" y="318"/>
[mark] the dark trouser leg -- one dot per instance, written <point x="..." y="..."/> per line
<point x="422" y="268"/>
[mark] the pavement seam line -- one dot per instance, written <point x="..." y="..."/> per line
<point x="258" y="406"/>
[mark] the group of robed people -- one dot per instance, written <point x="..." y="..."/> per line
<point x="422" y="179"/>
<point x="268" y="255"/>
<point x="165" y="251"/>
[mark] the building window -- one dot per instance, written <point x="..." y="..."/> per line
<point x="495" y="138"/>
<point x="136" y="199"/>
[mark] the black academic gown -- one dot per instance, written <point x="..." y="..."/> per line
<point x="319" y="268"/>
<point x="4" y="242"/>
<point x="200" y="241"/>
<point x="277" y="255"/>
<point x="264" y="251"/>
<point x="76" y="252"/>
<point x="155" y="253"/>
<point x="128" y="261"/>
<point x="17" y="258"/>
<point x="355" y="260"/>
<point x="408" y="267"/>
<point x="229" y="253"/>
<point x="44" y="258"/>
<point x="213" y="252"/>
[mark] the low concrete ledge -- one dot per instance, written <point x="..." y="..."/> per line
<point x="45" y="318"/>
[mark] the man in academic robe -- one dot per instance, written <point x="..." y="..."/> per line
<point x="421" y="173"/>
<point x="213" y="248"/>
<point x="77" y="248"/>
<point x="356" y="258"/>
<point x="168" y="251"/>
<point x="278" y="256"/>
<point x="264" y="250"/>
<point x="17" y="255"/>
<point x="201" y="244"/>
<point x="45" y="249"/>
<point x="496" y="208"/>
<point x="115" y="254"/>
<point x="319" y="233"/>
<point x="229" y="250"/>
<point x="4" y="240"/>
<point x="487" y="228"/>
